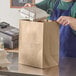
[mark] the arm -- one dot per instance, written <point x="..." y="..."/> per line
<point x="43" y="5"/>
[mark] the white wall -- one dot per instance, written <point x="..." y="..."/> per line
<point x="38" y="0"/>
<point x="10" y="15"/>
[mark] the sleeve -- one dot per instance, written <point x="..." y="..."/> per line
<point x="42" y="5"/>
<point x="73" y="14"/>
<point x="74" y="31"/>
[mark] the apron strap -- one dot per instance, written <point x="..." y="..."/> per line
<point x="71" y="6"/>
<point x="56" y="4"/>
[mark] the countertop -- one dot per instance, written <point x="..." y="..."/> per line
<point x="67" y="67"/>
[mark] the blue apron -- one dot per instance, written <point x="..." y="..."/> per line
<point x="67" y="37"/>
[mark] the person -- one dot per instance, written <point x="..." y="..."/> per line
<point x="63" y="12"/>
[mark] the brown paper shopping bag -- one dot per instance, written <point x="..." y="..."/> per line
<point x="39" y="44"/>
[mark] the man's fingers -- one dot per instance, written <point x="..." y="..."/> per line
<point x="66" y="23"/>
<point x="63" y="20"/>
<point x="28" y="5"/>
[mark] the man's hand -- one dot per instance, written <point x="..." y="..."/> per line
<point x="29" y="5"/>
<point x="65" y="20"/>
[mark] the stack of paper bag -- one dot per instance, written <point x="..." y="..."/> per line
<point x="39" y="44"/>
<point x="33" y="13"/>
